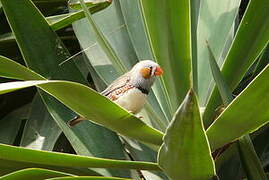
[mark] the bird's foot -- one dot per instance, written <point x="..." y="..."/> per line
<point x="140" y="117"/>
<point x="131" y="112"/>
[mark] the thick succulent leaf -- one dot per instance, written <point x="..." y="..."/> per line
<point x="250" y="160"/>
<point x="75" y="4"/>
<point x="40" y="131"/>
<point x="102" y="41"/>
<point x="63" y="20"/>
<point x="261" y="145"/>
<point x="7" y="166"/>
<point x="263" y="61"/>
<point x="195" y="11"/>
<point x="91" y="105"/>
<point x="14" y="70"/>
<point x="43" y="51"/>
<point x="19" y="154"/>
<point x="225" y="92"/>
<point x="228" y="165"/>
<point x="140" y="152"/>
<point x="33" y="173"/>
<point x="88" y="178"/>
<point x="60" y="21"/>
<point x="250" y="40"/>
<point x="186" y="146"/>
<point x="83" y="134"/>
<point x="171" y="47"/>
<point x="11" y="69"/>
<point x="215" y="18"/>
<point x="240" y="122"/>
<point x="10" y="124"/>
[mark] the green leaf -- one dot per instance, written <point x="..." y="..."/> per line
<point x="19" y="154"/>
<point x="75" y="4"/>
<point x="43" y="52"/>
<point x="89" y="178"/>
<point x="250" y="40"/>
<point x="102" y="111"/>
<point x="101" y="40"/>
<point x="80" y="135"/>
<point x="215" y="18"/>
<point x="262" y="145"/>
<point x="171" y="47"/>
<point x="10" y="124"/>
<point x="11" y="69"/>
<point x="63" y="20"/>
<point x="185" y="146"/>
<point x="40" y="131"/>
<point x="248" y="155"/>
<point x="225" y="92"/>
<point x="250" y="160"/>
<point x="240" y="122"/>
<point x="195" y="11"/>
<point x="33" y="173"/>
<point x="60" y="21"/>
<point x="228" y="165"/>
<point x="7" y="166"/>
<point x="263" y="61"/>
<point x="140" y="152"/>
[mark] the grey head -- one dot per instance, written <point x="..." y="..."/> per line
<point x="144" y="73"/>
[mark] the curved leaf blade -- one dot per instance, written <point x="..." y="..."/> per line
<point x="60" y="21"/>
<point x="215" y="18"/>
<point x="43" y="52"/>
<point x="250" y="160"/>
<point x="10" y="124"/>
<point x="255" y="93"/>
<point x="34" y="173"/>
<point x="101" y="110"/>
<point x="88" y="178"/>
<point x="9" y="166"/>
<point x="40" y="131"/>
<point x="19" y="154"/>
<point x="185" y="146"/>
<point x="14" y="70"/>
<point x="250" y="40"/>
<point x="247" y="153"/>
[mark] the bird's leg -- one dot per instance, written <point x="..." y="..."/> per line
<point x="140" y="117"/>
<point x="75" y="121"/>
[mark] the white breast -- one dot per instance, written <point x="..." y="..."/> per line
<point x="133" y="100"/>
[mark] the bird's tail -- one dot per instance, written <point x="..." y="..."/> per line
<point x="75" y="121"/>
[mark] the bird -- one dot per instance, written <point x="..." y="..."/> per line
<point x="131" y="89"/>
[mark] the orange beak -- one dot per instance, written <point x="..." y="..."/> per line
<point x="158" y="71"/>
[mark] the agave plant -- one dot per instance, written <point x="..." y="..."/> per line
<point x="197" y="120"/>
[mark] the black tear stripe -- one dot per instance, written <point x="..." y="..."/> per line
<point x="144" y="91"/>
<point x="151" y="71"/>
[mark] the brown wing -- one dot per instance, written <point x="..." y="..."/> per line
<point x="118" y="84"/>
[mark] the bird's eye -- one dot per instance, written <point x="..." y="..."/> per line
<point x="146" y="72"/>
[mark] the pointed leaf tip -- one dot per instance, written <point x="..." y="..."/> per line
<point x="185" y="142"/>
